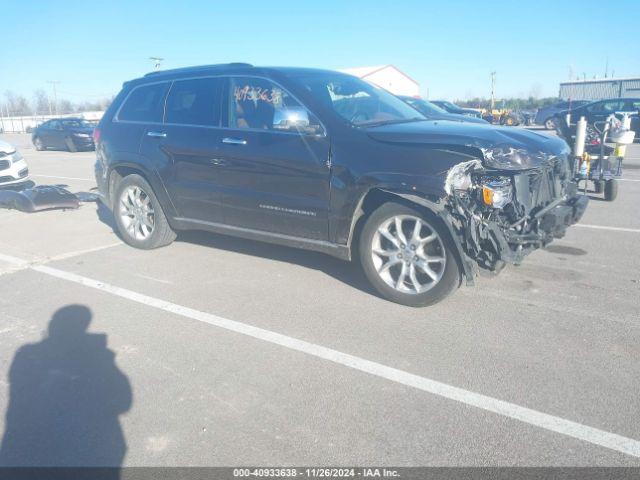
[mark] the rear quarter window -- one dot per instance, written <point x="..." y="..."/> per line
<point x="144" y="104"/>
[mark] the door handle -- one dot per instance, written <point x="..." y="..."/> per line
<point x="156" y="134"/>
<point x="218" y="162"/>
<point x="234" y="141"/>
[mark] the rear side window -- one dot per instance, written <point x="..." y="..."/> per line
<point x="145" y="104"/>
<point x="194" y="102"/>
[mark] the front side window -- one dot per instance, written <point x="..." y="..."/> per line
<point x="605" y="107"/>
<point x="194" y="102"/>
<point x="257" y="103"/>
<point x="632" y="105"/>
<point x="145" y="104"/>
<point x="356" y="101"/>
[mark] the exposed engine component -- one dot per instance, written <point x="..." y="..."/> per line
<point x="501" y="214"/>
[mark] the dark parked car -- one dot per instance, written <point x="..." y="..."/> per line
<point x="545" y="115"/>
<point x="453" y="108"/>
<point x="71" y="134"/>
<point x="324" y="161"/>
<point x="599" y="111"/>
<point x="434" y="112"/>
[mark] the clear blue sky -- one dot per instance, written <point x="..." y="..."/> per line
<point x="450" y="47"/>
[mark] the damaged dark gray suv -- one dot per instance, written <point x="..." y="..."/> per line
<point x="321" y="160"/>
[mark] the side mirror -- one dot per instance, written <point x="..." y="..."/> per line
<point x="294" y="119"/>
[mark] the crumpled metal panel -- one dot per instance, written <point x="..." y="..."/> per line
<point x="42" y="197"/>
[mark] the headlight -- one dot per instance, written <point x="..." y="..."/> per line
<point x="459" y="176"/>
<point x="17" y="157"/>
<point x="497" y="192"/>
<point x="509" y="158"/>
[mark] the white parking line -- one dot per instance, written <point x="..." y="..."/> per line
<point x="65" y="178"/>
<point x="19" y="264"/>
<point x="602" y="227"/>
<point x="588" y="434"/>
<point x="628" y="180"/>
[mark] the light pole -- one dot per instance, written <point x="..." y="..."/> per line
<point x="493" y="90"/>
<point x="55" y="95"/>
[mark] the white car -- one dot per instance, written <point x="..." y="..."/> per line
<point x="13" y="168"/>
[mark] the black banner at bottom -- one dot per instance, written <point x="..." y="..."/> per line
<point x="422" y="473"/>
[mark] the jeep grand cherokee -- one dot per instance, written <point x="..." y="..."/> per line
<point x="321" y="160"/>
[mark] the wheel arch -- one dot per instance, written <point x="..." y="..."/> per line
<point x="121" y="170"/>
<point x="431" y="204"/>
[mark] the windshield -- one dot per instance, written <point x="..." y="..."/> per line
<point x="450" y="105"/>
<point x="424" y="107"/>
<point x="357" y="101"/>
<point x="76" y="124"/>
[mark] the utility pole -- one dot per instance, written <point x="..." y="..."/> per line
<point x="606" y="68"/>
<point x="157" y="62"/>
<point x="55" y="95"/>
<point x="493" y="90"/>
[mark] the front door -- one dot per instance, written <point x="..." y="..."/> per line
<point x="275" y="155"/>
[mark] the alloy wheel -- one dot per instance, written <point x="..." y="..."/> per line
<point x="408" y="254"/>
<point x="136" y="212"/>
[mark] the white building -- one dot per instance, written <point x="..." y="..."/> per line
<point x="388" y="77"/>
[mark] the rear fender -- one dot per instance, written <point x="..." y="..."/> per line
<point x="122" y="168"/>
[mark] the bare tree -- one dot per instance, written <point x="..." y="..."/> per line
<point x="41" y="103"/>
<point x="65" y="106"/>
<point x="536" y="90"/>
<point x="17" y="104"/>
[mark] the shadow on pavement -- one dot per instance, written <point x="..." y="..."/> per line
<point x="66" y="394"/>
<point x="346" y="272"/>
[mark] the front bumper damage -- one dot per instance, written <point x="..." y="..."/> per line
<point x="544" y="202"/>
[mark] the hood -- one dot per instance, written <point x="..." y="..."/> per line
<point x="445" y="132"/>
<point x="454" y="117"/>
<point x="6" y="147"/>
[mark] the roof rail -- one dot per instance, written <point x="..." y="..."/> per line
<point x="198" y="67"/>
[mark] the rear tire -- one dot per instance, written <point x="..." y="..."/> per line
<point x="597" y="186"/>
<point x="413" y="269"/>
<point x="550" y="124"/>
<point x="139" y="216"/>
<point x="610" y="190"/>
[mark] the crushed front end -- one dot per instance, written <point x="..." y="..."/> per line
<point x="511" y="203"/>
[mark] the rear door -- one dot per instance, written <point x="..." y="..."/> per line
<point x="275" y="154"/>
<point x="53" y="135"/>
<point x="125" y="138"/>
<point x="188" y="144"/>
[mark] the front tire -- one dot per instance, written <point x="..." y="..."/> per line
<point x="550" y="124"/>
<point x="38" y="144"/>
<point x="407" y="255"/>
<point x="139" y="215"/>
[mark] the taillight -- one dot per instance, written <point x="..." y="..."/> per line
<point x="96" y="135"/>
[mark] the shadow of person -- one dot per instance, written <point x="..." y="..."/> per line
<point x="66" y="394"/>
